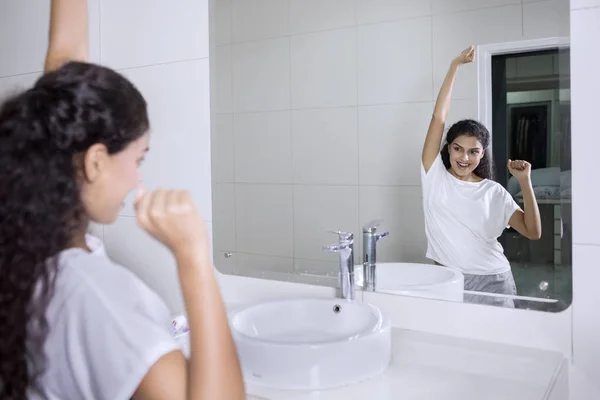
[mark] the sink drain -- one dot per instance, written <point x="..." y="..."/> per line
<point x="337" y="308"/>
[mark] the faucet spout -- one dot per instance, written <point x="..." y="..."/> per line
<point x="345" y="249"/>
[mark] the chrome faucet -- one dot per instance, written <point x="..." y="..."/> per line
<point x="345" y="248"/>
<point x="370" y="239"/>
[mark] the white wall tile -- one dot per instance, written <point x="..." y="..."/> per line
<point x="259" y="19"/>
<point x="222" y="22"/>
<point x="96" y="230"/>
<point x="585" y="143"/>
<point x="370" y="11"/>
<point x="30" y="25"/>
<point x="579" y="4"/>
<point x="261" y="75"/>
<point x="395" y="62"/>
<point x="94" y="31"/>
<point x="178" y="103"/>
<point x="318" y="15"/>
<point x="323" y="268"/>
<point x="450" y="6"/>
<point x="462" y="109"/>
<point x="263" y="147"/>
<point x="222" y="145"/>
<point x="319" y="209"/>
<point x="586" y="330"/>
<point x="452" y="33"/>
<point x="264" y="219"/>
<point x="224" y="217"/>
<point x="323" y="69"/>
<point x="548" y="18"/>
<point x="261" y="263"/>
<point x="325" y="146"/>
<point x="144" y="32"/>
<point x="401" y="209"/>
<point x="15" y="84"/>
<point x="127" y="244"/>
<point x="223" y="78"/>
<point x="225" y="263"/>
<point x="391" y="141"/>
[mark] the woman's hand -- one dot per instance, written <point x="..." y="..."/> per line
<point x="519" y="169"/>
<point x="171" y="217"/>
<point x="465" y="57"/>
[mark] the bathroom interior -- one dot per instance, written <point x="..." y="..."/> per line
<point x="297" y="125"/>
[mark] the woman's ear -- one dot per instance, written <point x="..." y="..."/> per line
<point x="95" y="162"/>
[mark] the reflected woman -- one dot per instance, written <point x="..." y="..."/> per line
<point x="465" y="210"/>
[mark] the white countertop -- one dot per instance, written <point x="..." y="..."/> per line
<point x="426" y="366"/>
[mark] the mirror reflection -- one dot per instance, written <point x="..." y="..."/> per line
<point x="412" y="148"/>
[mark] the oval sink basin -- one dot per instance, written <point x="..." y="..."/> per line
<point x="310" y="344"/>
<point x="419" y="280"/>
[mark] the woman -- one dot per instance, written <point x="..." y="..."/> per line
<point x="465" y="210"/>
<point x="73" y="325"/>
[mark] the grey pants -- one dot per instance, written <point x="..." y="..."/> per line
<point x="503" y="283"/>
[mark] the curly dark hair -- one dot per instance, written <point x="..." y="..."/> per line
<point x="469" y="127"/>
<point x="43" y="133"/>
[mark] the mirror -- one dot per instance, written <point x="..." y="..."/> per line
<point x="320" y="110"/>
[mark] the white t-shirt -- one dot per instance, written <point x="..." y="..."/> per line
<point x="463" y="221"/>
<point x="107" y="328"/>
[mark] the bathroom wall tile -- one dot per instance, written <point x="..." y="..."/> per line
<point x="452" y="33"/>
<point x="394" y="62"/>
<point x="319" y="209"/>
<point x="222" y="21"/>
<point x="223" y="80"/>
<point x="225" y="264"/>
<point x="30" y="25"/>
<point x="155" y="265"/>
<point x="548" y="18"/>
<point x="450" y="6"/>
<point x="323" y="69"/>
<point x="263" y="147"/>
<point x="462" y="109"/>
<point x="579" y="4"/>
<point x="249" y="263"/>
<point x="325" y="146"/>
<point x="222" y="153"/>
<point x="370" y="11"/>
<point x="318" y="15"/>
<point x="391" y="141"/>
<point x="584" y="144"/>
<point x="264" y="219"/>
<point x="320" y="267"/>
<point x="224" y="217"/>
<point x="400" y="208"/>
<point x="259" y="19"/>
<point x="130" y="36"/>
<point x="261" y="75"/>
<point x="178" y="103"/>
<point x="15" y="84"/>
<point x="96" y="230"/>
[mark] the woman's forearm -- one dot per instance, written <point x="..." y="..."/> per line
<point x="532" y="218"/>
<point x="214" y="370"/>
<point x="68" y="38"/>
<point x="442" y="104"/>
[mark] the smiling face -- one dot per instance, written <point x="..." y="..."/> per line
<point x="465" y="153"/>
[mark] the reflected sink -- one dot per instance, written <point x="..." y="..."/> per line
<point x="311" y="344"/>
<point x="419" y="280"/>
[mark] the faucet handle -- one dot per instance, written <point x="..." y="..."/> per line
<point x="343" y="236"/>
<point x="381" y="235"/>
<point x="372" y="226"/>
<point x="336" y="248"/>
